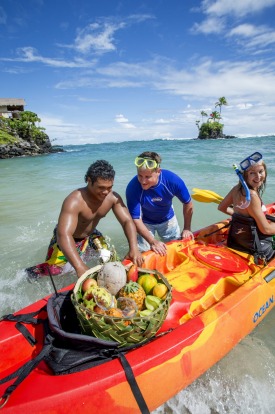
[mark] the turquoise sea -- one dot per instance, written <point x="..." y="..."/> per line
<point x="32" y="191"/>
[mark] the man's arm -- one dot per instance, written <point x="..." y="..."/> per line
<point x="123" y="216"/>
<point x="187" y="219"/>
<point x="66" y="227"/>
<point x="156" y="245"/>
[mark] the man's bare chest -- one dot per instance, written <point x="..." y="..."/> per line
<point x="89" y="214"/>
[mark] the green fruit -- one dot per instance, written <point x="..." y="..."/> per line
<point x="150" y="307"/>
<point x="145" y="312"/>
<point x="152" y="302"/>
<point x="147" y="282"/>
<point x="141" y="278"/>
<point x="89" y="304"/>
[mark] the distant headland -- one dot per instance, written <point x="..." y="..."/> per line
<point x="19" y="133"/>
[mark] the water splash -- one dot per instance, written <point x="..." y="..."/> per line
<point x="230" y="386"/>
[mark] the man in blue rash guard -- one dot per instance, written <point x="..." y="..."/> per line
<point x="149" y="198"/>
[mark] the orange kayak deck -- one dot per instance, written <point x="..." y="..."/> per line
<point x="201" y="275"/>
<point x="219" y="296"/>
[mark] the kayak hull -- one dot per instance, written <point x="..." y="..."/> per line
<point x="212" y="309"/>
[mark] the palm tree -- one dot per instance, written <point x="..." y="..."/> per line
<point x="221" y="102"/>
<point x="198" y="124"/>
<point x="203" y="113"/>
<point x="215" y="116"/>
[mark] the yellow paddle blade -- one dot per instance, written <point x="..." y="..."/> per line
<point x="207" y="192"/>
<point x="205" y="199"/>
<point x="200" y="190"/>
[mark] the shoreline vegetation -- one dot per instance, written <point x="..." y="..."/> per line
<point x="20" y="136"/>
<point x="212" y="128"/>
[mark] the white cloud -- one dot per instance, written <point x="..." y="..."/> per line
<point x="30" y="55"/>
<point x="120" y="119"/>
<point x="218" y="12"/>
<point x="262" y="40"/>
<point x="97" y="37"/>
<point x="247" y="30"/>
<point x="254" y="36"/>
<point x="202" y="80"/>
<point x="237" y="8"/>
<point x="244" y="106"/>
<point x="209" y="25"/>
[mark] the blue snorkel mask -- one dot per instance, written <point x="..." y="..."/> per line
<point x="250" y="161"/>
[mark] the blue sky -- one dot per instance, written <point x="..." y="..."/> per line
<point x="109" y="70"/>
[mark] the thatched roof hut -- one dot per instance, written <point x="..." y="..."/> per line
<point x="11" y="105"/>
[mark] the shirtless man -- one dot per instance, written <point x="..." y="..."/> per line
<point x="80" y="214"/>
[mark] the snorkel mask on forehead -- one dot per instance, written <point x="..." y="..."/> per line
<point x="250" y="161"/>
<point x="146" y="162"/>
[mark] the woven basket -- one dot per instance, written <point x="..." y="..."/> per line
<point x="125" y="331"/>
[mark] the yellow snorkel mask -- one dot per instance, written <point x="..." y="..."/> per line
<point x="146" y="162"/>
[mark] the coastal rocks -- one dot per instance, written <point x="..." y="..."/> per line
<point x="23" y="147"/>
<point x="215" y="135"/>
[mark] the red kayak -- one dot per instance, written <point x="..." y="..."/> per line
<point x="219" y="295"/>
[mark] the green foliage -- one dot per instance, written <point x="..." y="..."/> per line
<point x="221" y="102"/>
<point x="6" y="138"/>
<point x="215" y="116"/>
<point x="25" y="127"/>
<point x="211" y="129"/>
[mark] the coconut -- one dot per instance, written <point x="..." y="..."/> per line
<point x="112" y="276"/>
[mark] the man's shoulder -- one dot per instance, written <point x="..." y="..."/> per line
<point x="113" y="196"/>
<point x="170" y="175"/>
<point x="133" y="184"/>
<point x="75" y="194"/>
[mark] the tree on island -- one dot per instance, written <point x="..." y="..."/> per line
<point x="212" y="128"/>
<point x="221" y="102"/>
<point x="203" y="114"/>
<point x="25" y="127"/>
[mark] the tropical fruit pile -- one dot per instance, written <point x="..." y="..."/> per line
<point x="103" y="291"/>
<point x="128" y="300"/>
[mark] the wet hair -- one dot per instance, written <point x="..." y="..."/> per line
<point x="100" y="169"/>
<point x="151" y="156"/>
<point x="263" y="185"/>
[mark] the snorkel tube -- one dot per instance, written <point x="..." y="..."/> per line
<point x="247" y="192"/>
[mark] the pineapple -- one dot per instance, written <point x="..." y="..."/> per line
<point x="133" y="291"/>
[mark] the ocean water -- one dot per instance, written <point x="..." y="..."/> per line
<point x="32" y="191"/>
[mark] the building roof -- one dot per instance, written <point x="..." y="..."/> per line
<point x="12" y="102"/>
